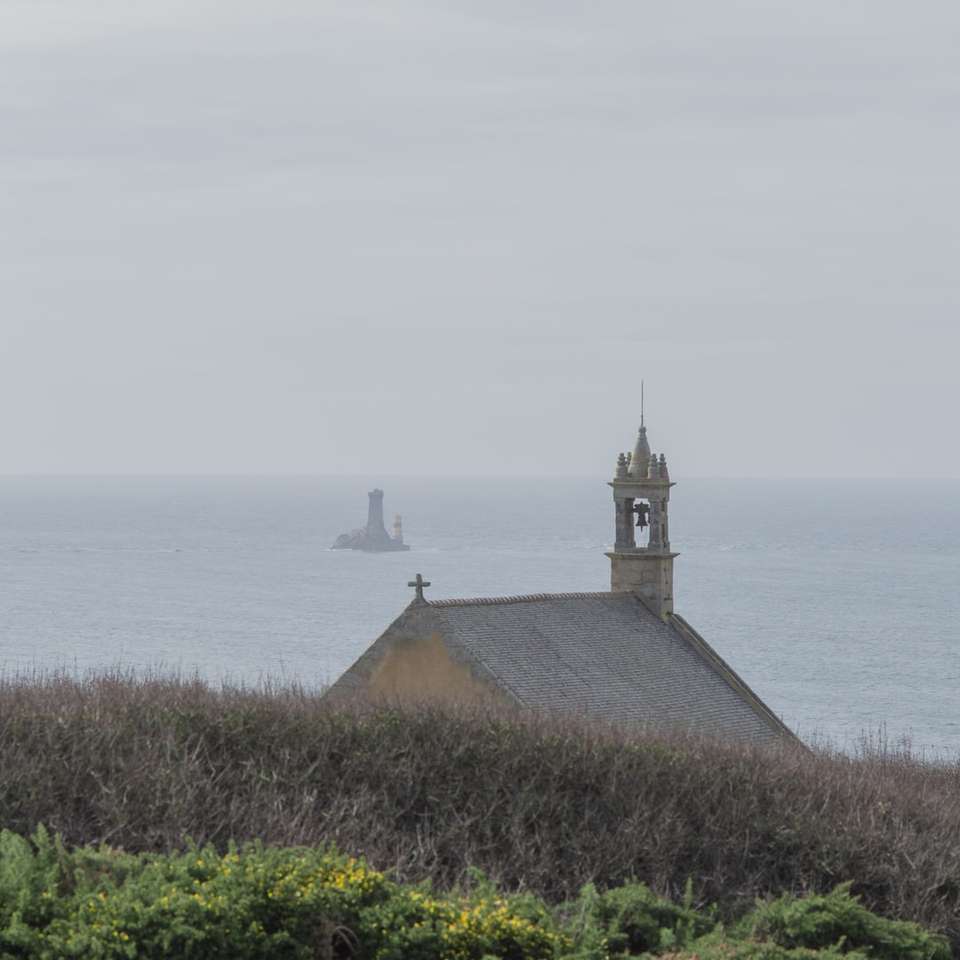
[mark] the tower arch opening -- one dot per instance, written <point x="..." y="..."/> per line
<point x="641" y="559"/>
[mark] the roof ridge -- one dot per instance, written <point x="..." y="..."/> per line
<point x="521" y="598"/>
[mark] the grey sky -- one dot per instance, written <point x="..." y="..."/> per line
<point x="409" y="237"/>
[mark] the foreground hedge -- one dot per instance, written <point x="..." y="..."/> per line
<point x="297" y="903"/>
<point x="537" y="803"/>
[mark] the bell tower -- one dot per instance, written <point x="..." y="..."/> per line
<point x="641" y="561"/>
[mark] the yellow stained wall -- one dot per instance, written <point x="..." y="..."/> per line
<point x="422" y="669"/>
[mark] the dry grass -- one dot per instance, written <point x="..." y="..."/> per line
<point x="536" y="803"/>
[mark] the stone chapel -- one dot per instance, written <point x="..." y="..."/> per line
<point x="622" y="655"/>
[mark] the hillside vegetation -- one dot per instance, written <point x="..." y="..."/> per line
<point x="538" y="804"/>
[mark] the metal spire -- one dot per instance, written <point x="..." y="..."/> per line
<point x="641" y="403"/>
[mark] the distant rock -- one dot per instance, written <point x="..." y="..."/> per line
<point x="373" y="537"/>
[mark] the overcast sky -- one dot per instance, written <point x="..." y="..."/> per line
<point x="451" y="237"/>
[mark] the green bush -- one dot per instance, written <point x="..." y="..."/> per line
<point x="719" y="948"/>
<point x="631" y="920"/>
<point x="255" y="903"/>
<point x="837" y="918"/>
<point x="29" y="889"/>
<point x="262" y="903"/>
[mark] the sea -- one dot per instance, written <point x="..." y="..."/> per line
<point x="838" y="601"/>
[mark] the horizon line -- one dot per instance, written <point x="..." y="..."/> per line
<point x="366" y="475"/>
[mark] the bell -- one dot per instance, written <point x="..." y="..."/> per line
<point x="642" y="511"/>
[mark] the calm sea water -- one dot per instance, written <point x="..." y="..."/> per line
<point x="837" y="601"/>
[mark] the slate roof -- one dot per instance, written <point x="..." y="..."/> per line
<point x="601" y="654"/>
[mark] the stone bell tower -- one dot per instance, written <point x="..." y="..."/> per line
<point x="641" y="561"/>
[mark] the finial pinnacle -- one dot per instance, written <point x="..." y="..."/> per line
<point x="641" y="406"/>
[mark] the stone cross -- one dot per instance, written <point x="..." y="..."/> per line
<point x="419" y="584"/>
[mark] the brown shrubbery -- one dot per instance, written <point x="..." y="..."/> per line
<point x="536" y="803"/>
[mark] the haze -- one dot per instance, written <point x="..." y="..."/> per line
<point x="451" y="237"/>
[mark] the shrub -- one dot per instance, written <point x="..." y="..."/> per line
<point x="538" y="803"/>
<point x="722" y="949"/>
<point x="29" y="888"/>
<point x="839" y="919"/>
<point x="631" y="920"/>
<point x="260" y="903"/>
<point x="253" y="903"/>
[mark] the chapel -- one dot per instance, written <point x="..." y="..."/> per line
<point x="622" y="655"/>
